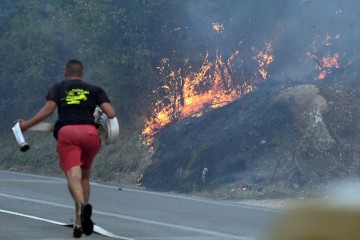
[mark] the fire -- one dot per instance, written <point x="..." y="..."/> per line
<point x="187" y="93"/>
<point x="210" y="87"/>
<point x="325" y="64"/>
<point x="264" y="58"/>
<point x="331" y="61"/>
<point x="221" y="90"/>
<point x="218" y="27"/>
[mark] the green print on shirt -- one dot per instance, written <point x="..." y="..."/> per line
<point x="75" y="96"/>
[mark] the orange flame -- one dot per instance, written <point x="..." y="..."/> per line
<point x="186" y="93"/>
<point x="264" y="58"/>
<point x="331" y="62"/>
<point x="326" y="64"/>
<point x="210" y="87"/>
<point x="218" y="27"/>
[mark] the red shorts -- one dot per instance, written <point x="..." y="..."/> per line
<point x="77" y="145"/>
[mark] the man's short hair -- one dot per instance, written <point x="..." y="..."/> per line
<point x="74" y="68"/>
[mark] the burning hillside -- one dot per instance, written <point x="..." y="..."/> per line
<point x="292" y="135"/>
<point x="185" y="90"/>
<point x="186" y="93"/>
<point x="276" y="117"/>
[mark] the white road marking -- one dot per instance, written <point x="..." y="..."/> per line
<point x="97" y="229"/>
<point x="147" y="221"/>
<point x="33" y="217"/>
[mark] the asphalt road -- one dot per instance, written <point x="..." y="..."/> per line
<point x="38" y="207"/>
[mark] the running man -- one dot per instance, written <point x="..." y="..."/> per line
<point x="77" y="135"/>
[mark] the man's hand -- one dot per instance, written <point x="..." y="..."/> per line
<point x="23" y="124"/>
<point x="108" y="109"/>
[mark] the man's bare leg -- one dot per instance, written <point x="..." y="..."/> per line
<point x="74" y="180"/>
<point x="86" y="222"/>
<point x="85" y="180"/>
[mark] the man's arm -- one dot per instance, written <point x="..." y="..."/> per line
<point x="41" y="115"/>
<point x="108" y="109"/>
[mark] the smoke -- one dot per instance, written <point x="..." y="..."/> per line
<point x="319" y="28"/>
<point x="345" y="192"/>
<point x="294" y="28"/>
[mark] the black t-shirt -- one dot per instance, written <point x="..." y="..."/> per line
<point x="76" y="101"/>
